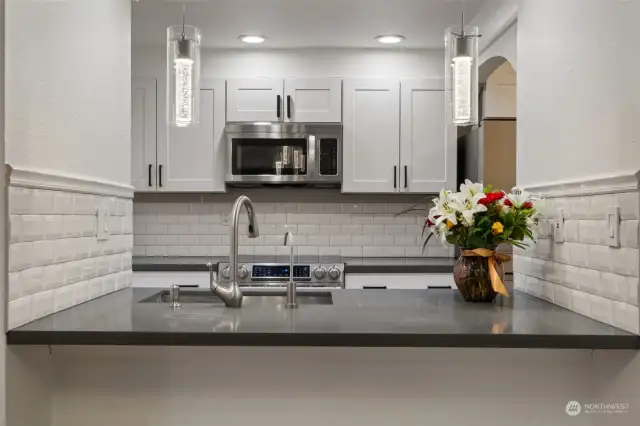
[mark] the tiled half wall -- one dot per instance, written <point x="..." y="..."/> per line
<point x="324" y="222"/>
<point x="55" y="258"/>
<point x="583" y="273"/>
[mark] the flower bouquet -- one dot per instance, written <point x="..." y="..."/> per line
<point x="478" y="220"/>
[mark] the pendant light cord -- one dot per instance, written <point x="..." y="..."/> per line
<point x="462" y="27"/>
<point x="184" y="14"/>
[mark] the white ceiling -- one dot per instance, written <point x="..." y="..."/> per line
<point x="303" y="23"/>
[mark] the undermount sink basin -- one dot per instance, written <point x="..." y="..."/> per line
<point x="252" y="298"/>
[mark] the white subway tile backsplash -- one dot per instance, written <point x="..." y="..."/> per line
<point x="626" y="317"/>
<point x="362" y="240"/>
<point x="42" y="304"/>
<point x="395" y="230"/>
<point x="199" y="251"/>
<point x="629" y="233"/>
<point x="353" y="251"/>
<point x="308" y="251"/>
<point x="373" y="229"/>
<point x="384" y="240"/>
<point x="629" y="203"/>
<point x="591" y="232"/>
<point x="351" y="208"/>
<point x="374" y="208"/>
<point x="330" y="230"/>
<point x="331" y="208"/>
<point x="587" y="275"/>
<point x="373" y="251"/>
<point x="308" y="229"/>
<point x="406" y="240"/>
<point x="341" y="240"/>
<point x="156" y="229"/>
<point x="394" y="251"/>
<point x="318" y="240"/>
<point x="181" y="229"/>
<point x="278" y="218"/>
<point x="362" y="219"/>
<point x="329" y="251"/>
<point x="340" y="219"/>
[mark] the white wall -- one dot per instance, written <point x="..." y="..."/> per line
<point x="506" y="46"/>
<point x="578" y="90"/>
<point x="247" y="63"/>
<point x="69" y="97"/>
<point x="3" y="236"/>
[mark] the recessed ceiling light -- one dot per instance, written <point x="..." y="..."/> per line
<point x="252" y="39"/>
<point x="390" y="39"/>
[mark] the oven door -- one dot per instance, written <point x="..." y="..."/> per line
<point x="269" y="158"/>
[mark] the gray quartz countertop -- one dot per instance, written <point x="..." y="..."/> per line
<point x="360" y="265"/>
<point x="372" y="318"/>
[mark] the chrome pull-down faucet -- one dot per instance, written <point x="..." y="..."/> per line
<point x="232" y="295"/>
<point x="291" y="285"/>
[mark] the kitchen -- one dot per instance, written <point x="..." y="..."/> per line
<point x="119" y="240"/>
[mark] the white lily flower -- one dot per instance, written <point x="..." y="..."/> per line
<point x="470" y="189"/>
<point x="519" y="196"/>
<point x="444" y="209"/>
<point x="468" y="206"/>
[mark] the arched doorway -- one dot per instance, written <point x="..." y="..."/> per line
<point x="487" y="153"/>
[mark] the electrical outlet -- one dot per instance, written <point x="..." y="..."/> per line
<point x="612" y="222"/>
<point x="558" y="231"/>
<point x="102" y="224"/>
<point x="225" y="218"/>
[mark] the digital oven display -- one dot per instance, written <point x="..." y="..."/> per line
<point x="263" y="272"/>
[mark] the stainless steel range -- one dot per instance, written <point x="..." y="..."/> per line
<point x="273" y="271"/>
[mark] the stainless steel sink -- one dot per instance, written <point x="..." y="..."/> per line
<point x="251" y="298"/>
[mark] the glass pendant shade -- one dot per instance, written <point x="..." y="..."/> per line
<point x="461" y="72"/>
<point x="183" y="75"/>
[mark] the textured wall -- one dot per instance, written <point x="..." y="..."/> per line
<point x="583" y="273"/>
<point x="323" y="222"/>
<point x="55" y="259"/>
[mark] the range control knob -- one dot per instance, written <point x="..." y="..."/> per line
<point x="319" y="273"/>
<point x="334" y="273"/>
<point x="242" y="272"/>
<point x="225" y="272"/>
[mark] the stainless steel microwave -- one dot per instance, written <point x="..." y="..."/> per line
<point x="284" y="154"/>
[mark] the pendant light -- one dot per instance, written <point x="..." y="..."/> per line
<point x="461" y="44"/>
<point x="183" y="74"/>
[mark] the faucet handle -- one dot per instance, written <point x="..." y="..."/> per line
<point x="174" y="293"/>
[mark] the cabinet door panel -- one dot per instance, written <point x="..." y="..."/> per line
<point x="254" y="99"/>
<point x="371" y="132"/>
<point x="143" y="134"/>
<point x="313" y="100"/>
<point x="193" y="158"/>
<point x="428" y="144"/>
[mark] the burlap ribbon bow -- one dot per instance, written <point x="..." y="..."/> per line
<point x="493" y="256"/>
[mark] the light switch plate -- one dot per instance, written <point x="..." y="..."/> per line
<point x="612" y="222"/>
<point x="558" y="231"/>
<point x="103" y="224"/>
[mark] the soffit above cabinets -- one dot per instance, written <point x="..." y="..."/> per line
<point x="303" y="23"/>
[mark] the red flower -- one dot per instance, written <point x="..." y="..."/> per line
<point x="491" y="197"/>
<point x="527" y="205"/>
<point x="429" y="223"/>
<point x="508" y="203"/>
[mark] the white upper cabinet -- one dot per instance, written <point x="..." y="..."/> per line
<point x="371" y="135"/>
<point x="143" y="133"/>
<point x="313" y="100"/>
<point x="254" y="99"/>
<point x="194" y="158"/>
<point x="427" y="143"/>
